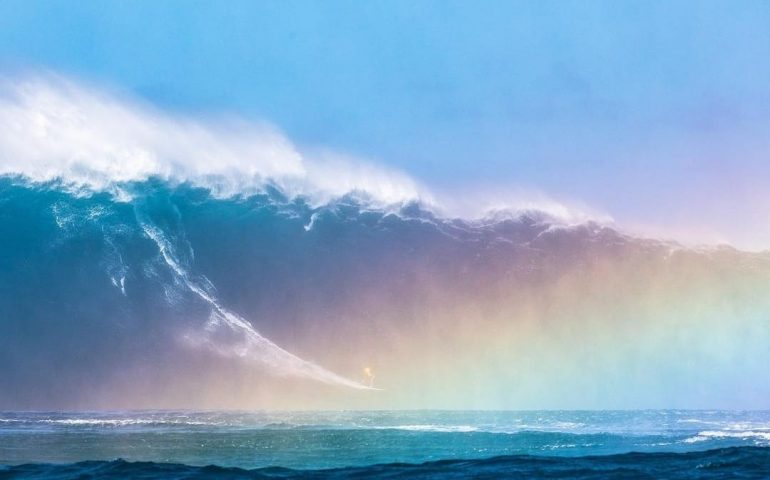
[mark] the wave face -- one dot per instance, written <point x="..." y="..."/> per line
<point x="164" y="294"/>
<point x="388" y="444"/>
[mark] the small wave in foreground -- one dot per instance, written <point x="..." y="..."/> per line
<point x="736" y="462"/>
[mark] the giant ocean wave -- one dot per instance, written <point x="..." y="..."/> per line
<point x="156" y="260"/>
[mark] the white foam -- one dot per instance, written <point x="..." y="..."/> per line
<point x="431" y="428"/>
<point x="112" y="422"/>
<point x="310" y="224"/>
<point x="763" y="436"/>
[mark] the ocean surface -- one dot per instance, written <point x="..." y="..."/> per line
<point x="385" y="444"/>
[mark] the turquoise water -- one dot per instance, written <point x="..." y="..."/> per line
<point x="314" y="441"/>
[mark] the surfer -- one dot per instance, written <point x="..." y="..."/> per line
<point x="368" y="376"/>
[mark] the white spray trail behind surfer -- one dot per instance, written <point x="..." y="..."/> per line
<point x="229" y="334"/>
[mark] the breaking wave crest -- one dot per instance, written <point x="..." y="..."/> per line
<point x="89" y="139"/>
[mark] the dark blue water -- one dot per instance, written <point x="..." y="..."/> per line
<point x="417" y="444"/>
<point x="736" y="462"/>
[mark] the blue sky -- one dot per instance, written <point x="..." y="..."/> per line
<point x="656" y="113"/>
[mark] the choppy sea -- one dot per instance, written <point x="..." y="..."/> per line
<point x="385" y="444"/>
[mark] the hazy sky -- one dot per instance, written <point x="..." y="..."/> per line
<point x="657" y="114"/>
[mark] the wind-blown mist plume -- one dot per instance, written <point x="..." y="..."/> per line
<point x="52" y="128"/>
